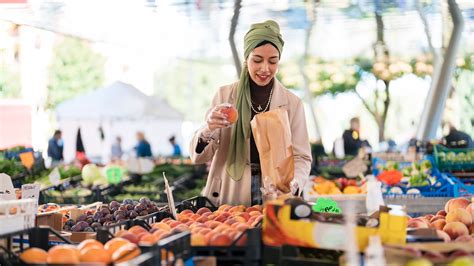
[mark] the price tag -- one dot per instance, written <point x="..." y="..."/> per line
<point x="7" y="192"/>
<point x="354" y="167"/>
<point x="114" y="174"/>
<point x="54" y="176"/>
<point x="30" y="191"/>
<point x="326" y="205"/>
<point x="27" y="159"/>
<point x="169" y="195"/>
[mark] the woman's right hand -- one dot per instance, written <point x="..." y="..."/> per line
<point x="216" y="119"/>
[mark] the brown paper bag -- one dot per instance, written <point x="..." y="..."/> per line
<point x="272" y="134"/>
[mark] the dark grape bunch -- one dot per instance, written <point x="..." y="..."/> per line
<point x="109" y="214"/>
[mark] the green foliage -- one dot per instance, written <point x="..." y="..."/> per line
<point x="9" y="83"/>
<point x="75" y="69"/>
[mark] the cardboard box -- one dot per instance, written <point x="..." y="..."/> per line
<point x="53" y="220"/>
<point x="78" y="237"/>
<point x="280" y="228"/>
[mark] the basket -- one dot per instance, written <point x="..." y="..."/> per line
<point x="16" y="215"/>
<point x="448" y="159"/>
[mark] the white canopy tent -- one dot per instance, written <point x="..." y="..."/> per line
<point x="119" y="110"/>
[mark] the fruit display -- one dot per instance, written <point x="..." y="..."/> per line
<point x="109" y="214"/>
<point x="454" y="223"/>
<point x="116" y="250"/>
<point x="416" y="174"/>
<point x="341" y="185"/>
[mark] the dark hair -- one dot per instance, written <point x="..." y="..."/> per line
<point x="268" y="42"/>
<point x="171" y="139"/>
<point x="57" y="132"/>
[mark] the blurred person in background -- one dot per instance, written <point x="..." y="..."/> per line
<point x="235" y="173"/>
<point x="456" y="138"/>
<point x="351" y="137"/>
<point x="143" y="148"/>
<point x="116" y="149"/>
<point x="176" y="147"/>
<point x="55" y="148"/>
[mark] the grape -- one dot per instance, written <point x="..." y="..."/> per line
<point x="83" y="224"/>
<point x="88" y="229"/>
<point x="97" y="216"/>
<point x="90" y="220"/>
<point x="95" y="225"/>
<point x="119" y="217"/>
<point x="109" y="217"/>
<point x="133" y="214"/>
<point x="105" y="211"/>
<point x="129" y="207"/>
<point x="119" y="212"/>
<point x="102" y="220"/>
<point x="67" y="227"/>
<point x="122" y="208"/>
<point x="144" y="200"/>
<point x="114" y="204"/>
<point x="143" y="213"/>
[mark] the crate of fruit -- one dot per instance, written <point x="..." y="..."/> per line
<point x="447" y="159"/>
<point x="17" y="215"/>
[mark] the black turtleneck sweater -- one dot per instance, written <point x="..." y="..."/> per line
<point x="260" y="96"/>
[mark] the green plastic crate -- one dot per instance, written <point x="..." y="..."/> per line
<point x="454" y="159"/>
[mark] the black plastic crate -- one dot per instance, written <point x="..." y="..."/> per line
<point x="300" y="256"/>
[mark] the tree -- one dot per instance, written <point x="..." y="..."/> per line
<point x="9" y="83"/>
<point x="233" y="26"/>
<point x="75" y="69"/>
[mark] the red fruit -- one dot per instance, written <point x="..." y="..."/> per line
<point x="203" y="210"/>
<point x="231" y="113"/>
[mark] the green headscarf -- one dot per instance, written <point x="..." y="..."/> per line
<point x="237" y="155"/>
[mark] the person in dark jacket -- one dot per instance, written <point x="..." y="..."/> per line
<point x="457" y="139"/>
<point x="351" y="137"/>
<point x="55" y="148"/>
<point x="176" y="147"/>
<point x="143" y="148"/>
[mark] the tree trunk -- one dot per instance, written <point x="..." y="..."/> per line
<point x="233" y="26"/>
<point x="311" y="11"/>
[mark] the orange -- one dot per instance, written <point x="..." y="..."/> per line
<point x="63" y="254"/>
<point x="34" y="256"/>
<point x="112" y="245"/>
<point x="95" y="254"/>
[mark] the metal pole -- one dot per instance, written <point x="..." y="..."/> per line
<point x="436" y="100"/>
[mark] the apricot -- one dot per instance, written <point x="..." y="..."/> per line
<point x="417" y="223"/>
<point x="230" y="221"/>
<point x="241" y="219"/>
<point x="95" y="254"/>
<point x="242" y="227"/>
<point x="136" y="229"/>
<point x="126" y="253"/>
<point x="186" y="212"/>
<point x="441" y="234"/>
<point x="456" y="204"/>
<point x="459" y="215"/>
<point x="437" y="217"/>
<point x="441" y="213"/>
<point x="34" y="256"/>
<point x="119" y="233"/>
<point x="133" y="238"/>
<point x="455" y="229"/>
<point x="231" y="113"/>
<point x="254" y="213"/>
<point x="246" y="215"/>
<point x="212" y="224"/>
<point x="202" y="219"/>
<point x="242" y="241"/>
<point x="252" y="209"/>
<point x="174" y="224"/>
<point x="195" y="216"/>
<point x="239" y="208"/>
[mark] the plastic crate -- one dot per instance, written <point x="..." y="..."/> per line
<point x="291" y="255"/>
<point x="377" y="162"/>
<point x="447" y="159"/>
<point x="461" y="189"/>
<point x="443" y="187"/>
<point x="16" y="215"/>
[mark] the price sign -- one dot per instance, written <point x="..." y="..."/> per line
<point x="114" y="174"/>
<point x="169" y="195"/>
<point x="7" y="192"/>
<point x="27" y="159"/>
<point x="326" y="205"/>
<point x="30" y="191"/>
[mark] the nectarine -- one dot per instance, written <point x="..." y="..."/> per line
<point x="455" y="229"/>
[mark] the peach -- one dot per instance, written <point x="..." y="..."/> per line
<point x="186" y="212"/>
<point x="456" y="204"/>
<point x="140" y="235"/>
<point x="213" y="224"/>
<point x="239" y="208"/>
<point x="130" y="237"/>
<point x="243" y="239"/>
<point x="221" y="218"/>
<point x="148" y="240"/>
<point x="455" y="229"/>
<point x="254" y="213"/>
<point x="256" y="221"/>
<point x="136" y="229"/>
<point x="174" y="224"/>
<point x="205" y="231"/>
<point x="443" y="235"/>
<point x="189" y="223"/>
<point x="441" y="213"/>
<point x="120" y="233"/>
<point x="206" y="214"/>
<point x="211" y="217"/>
<point x="220" y="240"/>
<point x="459" y="215"/>
<point x="163" y="236"/>
<point x="240" y="219"/>
<point x="202" y="219"/>
<point x="437" y="217"/>
<point x="258" y="207"/>
<point x="230" y="221"/>
<point x="438" y="224"/>
<point x="231" y="113"/>
<point x="186" y="220"/>
<point x="470" y="210"/>
<point x="429" y="216"/>
<point x="126" y="253"/>
<point x="161" y="225"/>
<point x="251" y="209"/>
<point x="464" y="238"/>
<point x="221" y="228"/>
<point x="203" y="210"/>
<point x="194" y="217"/>
<point x="242" y="227"/>
<point x="417" y="223"/>
<point x="198" y="240"/>
<point x="242" y="214"/>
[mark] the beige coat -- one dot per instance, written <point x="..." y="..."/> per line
<point x="220" y="187"/>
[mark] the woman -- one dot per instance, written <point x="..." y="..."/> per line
<point x="235" y="176"/>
